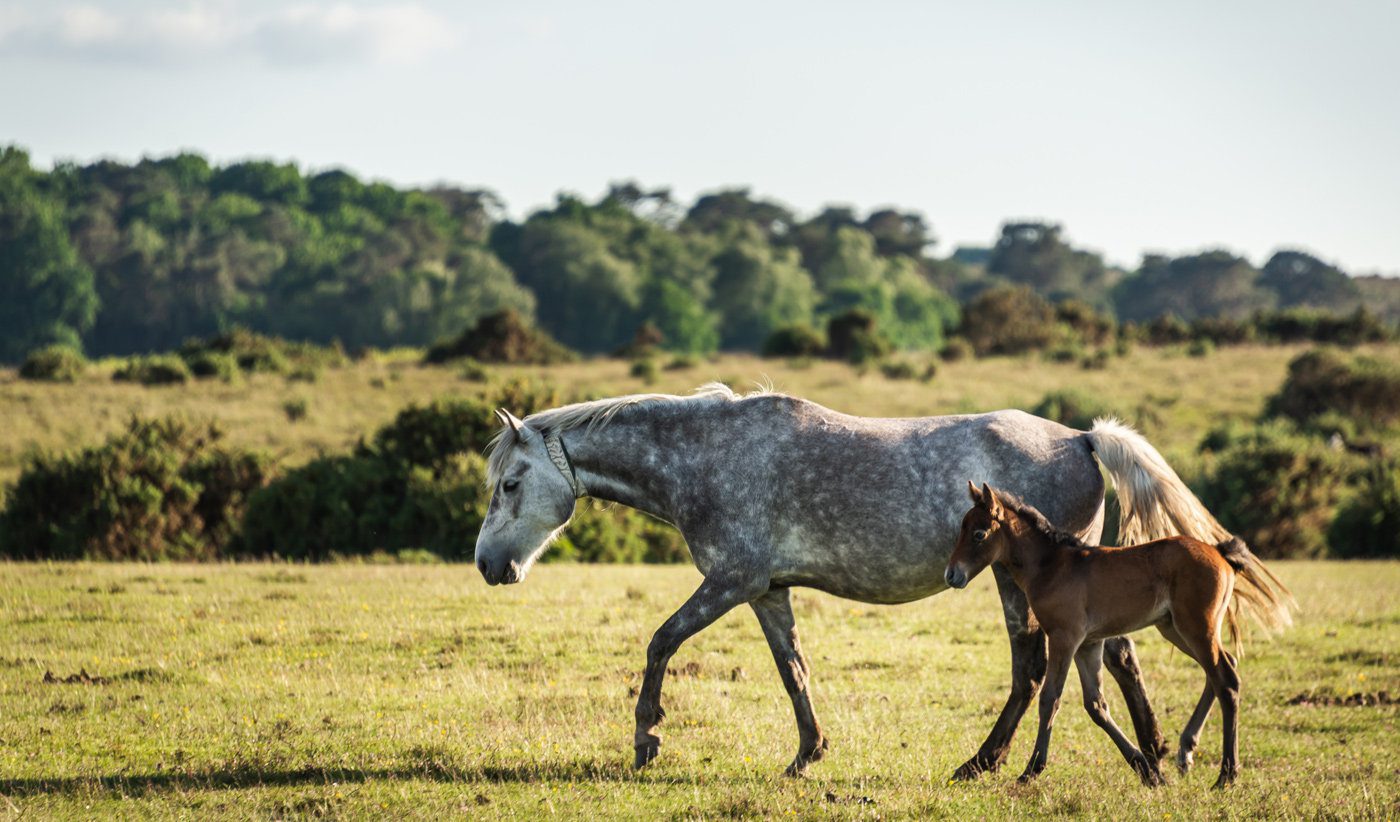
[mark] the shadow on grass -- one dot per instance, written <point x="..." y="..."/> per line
<point x="432" y="770"/>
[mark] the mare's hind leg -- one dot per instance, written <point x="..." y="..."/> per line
<point x="1191" y="734"/>
<point x="1120" y="656"/>
<point x="1089" y="660"/>
<point x="774" y="611"/>
<point x="1028" y="661"/>
<point x="715" y="597"/>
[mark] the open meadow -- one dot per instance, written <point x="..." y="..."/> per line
<point x="390" y="691"/>
<point x="381" y="690"/>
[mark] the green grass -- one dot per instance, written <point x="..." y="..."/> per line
<point x="386" y="691"/>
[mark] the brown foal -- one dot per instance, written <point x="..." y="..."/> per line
<point x="1084" y="594"/>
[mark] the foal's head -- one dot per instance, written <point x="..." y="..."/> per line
<point x="984" y="539"/>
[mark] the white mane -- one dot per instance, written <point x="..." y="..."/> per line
<point x="597" y="413"/>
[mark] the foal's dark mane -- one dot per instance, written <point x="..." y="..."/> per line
<point x="1032" y="516"/>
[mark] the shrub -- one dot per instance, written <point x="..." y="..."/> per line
<point x="427" y="434"/>
<point x="1097" y="361"/>
<point x="898" y="370"/>
<point x="296" y="409"/>
<point x="1221" y="330"/>
<point x="1368" y="524"/>
<point x="473" y="371"/>
<point x="682" y="362"/>
<point x="1073" y="408"/>
<point x="154" y="369"/>
<point x="161" y="489"/>
<point x="852" y="336"/>
<point x="1069" y="352"/>
<point x="1167" y="329"/>
<point x="304" y="373"/>
<point x="617" y="535"/>
<point x="646" y="342"/>
<point x="1277" y="489"/>
<point x="794" y="341"/>
<point x="214" y="364"/>
<point x="1305" y="324"/>
<point x="258" y="353"/>
<point x="1364" y="389"/>
<point x="501" y="337"/>
<point x="357" y="504"/>
<point x="1200" y="347"/>
<point x="646" y="370"/>
<point x="1009" y="320"/>
<point x="1089" y="326"/>
<point x="53" y="363"/>
<point x="955" y="349"/>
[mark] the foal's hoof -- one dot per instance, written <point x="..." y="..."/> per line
<point x="647" y="751"/>
<point x="1026" y="778"/>
<point x="1227" y="778"/>
<point x="1183" y="761"/>
<point x="806" y="757"/>
<point x="973" y="768"/>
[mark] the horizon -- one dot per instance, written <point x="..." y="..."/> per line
<point x="1251" y="128"/>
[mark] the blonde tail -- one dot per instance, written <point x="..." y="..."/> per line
<point x="1153" y="501"/>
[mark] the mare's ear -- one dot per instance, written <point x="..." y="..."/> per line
<point x="974" y="493"/>
<point x="513" y="422"/>
<point x="993" y="505"/>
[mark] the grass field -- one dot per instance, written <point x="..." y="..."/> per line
<point x="356" y="690"/>
<point x="1187" y="394"/>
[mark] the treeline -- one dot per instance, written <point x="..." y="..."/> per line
<point x="118" y="259"/>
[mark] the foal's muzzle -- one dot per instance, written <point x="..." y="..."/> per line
<point x="500" y="571"/>
<point x="955" y="577"/>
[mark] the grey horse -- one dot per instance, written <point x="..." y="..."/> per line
<point x="771" y="492"/>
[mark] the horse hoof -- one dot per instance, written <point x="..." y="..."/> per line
<point x="647" y="751"/>
<point x="1025" y="778"/>
<point x="807" y="757"/>
<point x="973" y="768"/>
<point x="1225" y="781"/>
<point x="1183" y="761"/>
<point x="1147" y="770"/>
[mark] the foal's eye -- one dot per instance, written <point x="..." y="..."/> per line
<point x="980" y="534"/>
<point x="510" y="485"/>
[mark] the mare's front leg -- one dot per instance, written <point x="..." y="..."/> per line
<point x="774" y="611"/>
<point x="1089" y="661"/>
<point x="715" y="597"/>
<point x="1027" y="673"/>
<point x="1062" y="651"/>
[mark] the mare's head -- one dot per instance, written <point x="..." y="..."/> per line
<point x="985" y="537"/>
<point x="531" y="502"/>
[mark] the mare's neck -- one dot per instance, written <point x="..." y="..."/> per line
<point x="627" y="460"/>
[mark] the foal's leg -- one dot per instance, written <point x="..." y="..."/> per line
<point x="1062" y="652"/>
<point x="1027" y="673"/>
<point x="1191" y="734"/>
<point x="713" y="599"/>
<point x="774" y="611"/>
<point x="1120" y="656"/>
<point x="1089" y="660"/>
<point x="1200" y="632"/>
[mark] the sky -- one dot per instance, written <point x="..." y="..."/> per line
<point x="1139" y="126"/>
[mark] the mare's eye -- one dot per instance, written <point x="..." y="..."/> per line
<point x="510" y="485"/>
<point x="980" y="534"/>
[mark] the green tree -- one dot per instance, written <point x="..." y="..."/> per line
<point x="46" y="292"/>
<point x="1035" y="254"/>
<point x="1301" y="279"/>
<point x="1200" y="285"/>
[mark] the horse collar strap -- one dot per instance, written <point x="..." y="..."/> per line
<point x="560" y="457"/>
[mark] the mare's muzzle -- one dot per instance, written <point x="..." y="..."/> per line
<point x="955" y="577"/>
<point x="499" y="571"/>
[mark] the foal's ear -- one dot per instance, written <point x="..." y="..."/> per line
<point x="974" y="493"/>
<point x="989" y="499"/>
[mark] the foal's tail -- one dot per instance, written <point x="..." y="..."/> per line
<point x="1257" y="591"/>
<point x="1154" y="503"/>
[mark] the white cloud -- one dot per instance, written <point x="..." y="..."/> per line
<point x="300" y="35"/>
